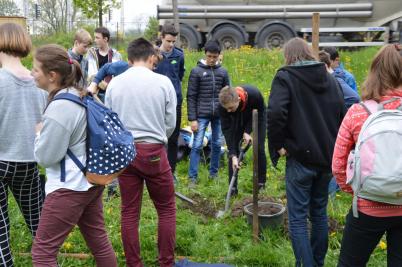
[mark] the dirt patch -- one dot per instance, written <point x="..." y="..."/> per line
<point x="237" y="209"/>
<point x="266" y="210"/>
<point x="203" y="206"/>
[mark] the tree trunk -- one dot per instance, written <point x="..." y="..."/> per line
<point x="100" y="14"/>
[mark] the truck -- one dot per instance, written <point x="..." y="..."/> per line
<point x="269" y="24"/>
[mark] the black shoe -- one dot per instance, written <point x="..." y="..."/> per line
<point x="112" y="192"/>
<point x="234" y="192"/>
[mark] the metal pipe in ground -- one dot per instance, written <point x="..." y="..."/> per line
<point x="255" y="175"/>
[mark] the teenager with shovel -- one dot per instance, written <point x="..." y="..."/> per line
<point x="236" y="112"/>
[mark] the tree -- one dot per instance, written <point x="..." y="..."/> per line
<point x="96" y="8"/>
<point x="152" y="29"/>
<point x="8" y="8"/>
<point x="54" y="14"/>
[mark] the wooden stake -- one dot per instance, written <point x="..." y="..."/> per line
<point x="316" y="33"/>
<point x="255" y="176"/>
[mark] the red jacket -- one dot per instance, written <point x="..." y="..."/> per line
<point x="345" y="142"/>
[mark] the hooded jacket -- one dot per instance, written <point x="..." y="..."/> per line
<point x="173" y="67"/>
<point x="305" y="110"/>
<point x="204" y="84"/>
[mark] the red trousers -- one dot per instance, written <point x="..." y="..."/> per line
<point x="152" y="166"/>
<point x="62" y="210"/>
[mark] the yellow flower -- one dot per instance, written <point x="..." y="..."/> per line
<point x="67" y="245"/>
<point x="382" y="245"/>
<point x="332" y="234"/>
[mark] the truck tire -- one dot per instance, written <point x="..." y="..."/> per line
<point x="274" y="36"/>
<point x="188" y="38"/>
<point x="229" y="37"/>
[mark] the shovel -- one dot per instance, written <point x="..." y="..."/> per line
<point x="184" y="198"/>
<point x="243" y="147"/>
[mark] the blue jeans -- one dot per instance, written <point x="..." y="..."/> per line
<point x="307" y="196"/>
<point x="197" y="147"/>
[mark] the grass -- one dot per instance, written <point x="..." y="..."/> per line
<point x="204" y="239"/>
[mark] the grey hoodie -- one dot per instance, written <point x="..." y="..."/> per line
<point x="64" y="126"/>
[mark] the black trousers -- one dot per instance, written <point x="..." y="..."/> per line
<point x="262" y="159"/>
<point x="361" y="236"/>
<point x="172" y="141"/>
<point x="22" y="179"/>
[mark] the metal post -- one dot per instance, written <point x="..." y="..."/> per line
<point x="255" y="176"/>
<point x="176" y="21"/>
<point x="316" y="33"/>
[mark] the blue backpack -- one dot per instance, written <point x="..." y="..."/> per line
<point x="110" y="147"/>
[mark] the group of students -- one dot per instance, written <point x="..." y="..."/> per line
<point x="306" y="108"/>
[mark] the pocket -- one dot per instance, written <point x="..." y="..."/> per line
<point x="298" y="174"/>
<point x="149" y="163"/>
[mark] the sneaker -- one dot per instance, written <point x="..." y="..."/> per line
<point x="234" y="192"/>
<point x="261" y="187"/>
<point x="192" y="183"/>
<point x="213" y="176"/>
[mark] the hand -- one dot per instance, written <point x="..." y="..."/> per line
<point x="93" y="88"/>
<point x="194" y="126"/>
<point x="38" y="127"/>
<point x="282" y="152"/>
<point x="235" y="163"/>
<point x="247" y="138"/>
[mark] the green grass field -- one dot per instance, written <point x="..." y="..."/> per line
<point x="206" y="239"/>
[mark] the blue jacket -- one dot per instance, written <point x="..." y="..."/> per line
<point x="347" y="77"/>
<point x="350" y="96"/>
<point x="173" y="68"/>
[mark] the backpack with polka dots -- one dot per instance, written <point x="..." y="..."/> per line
<point x="110" y="147"/>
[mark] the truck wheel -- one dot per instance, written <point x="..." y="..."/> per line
<point x="229" y="37"/>
<point x="188" y="39"/>
<point x="274" y="36"/>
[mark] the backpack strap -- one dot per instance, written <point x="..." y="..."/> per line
<point x="71" y="97"/>
<point x="382" y="104"/>
<point x="77" y="100"/>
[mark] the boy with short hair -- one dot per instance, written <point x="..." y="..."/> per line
<point x="338" y="68"/>
<point x="172" y="66"/>
<point x="99" y="56"/>
<point x="82" y="41"/>
<point x="204" y="84"/>
<point x="236" y="113"/>
<point x="146" y="104"/>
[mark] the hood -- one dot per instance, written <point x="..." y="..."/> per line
<point x="313" y="76"/>
<point x="74" y="55"/>
<point x="203" y="64"/>
<point x="339" y="73"/>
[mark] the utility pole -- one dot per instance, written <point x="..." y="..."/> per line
<point x="122" y="19"/>
<point x="176" y="20"/>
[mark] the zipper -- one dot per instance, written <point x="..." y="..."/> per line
<point x="213" y="91"/>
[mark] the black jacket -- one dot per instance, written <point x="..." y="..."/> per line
<point x="305" y="110"/>
<point x="204" y="85"/>
<point x="234" y="124"/>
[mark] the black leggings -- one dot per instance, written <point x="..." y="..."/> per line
<point x="22" y="178"/>
<point x="361" y="236"/>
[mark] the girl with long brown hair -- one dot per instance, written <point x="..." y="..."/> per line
<point x="362" y="234"/>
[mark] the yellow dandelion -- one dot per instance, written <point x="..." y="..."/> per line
<point x="67" y="245"/>
<point x="338" y="195"/>
<point x="332" y="234"/>
<point x="382" y="245"/>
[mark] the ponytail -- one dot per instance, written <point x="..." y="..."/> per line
<point x="55" y="58"/>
